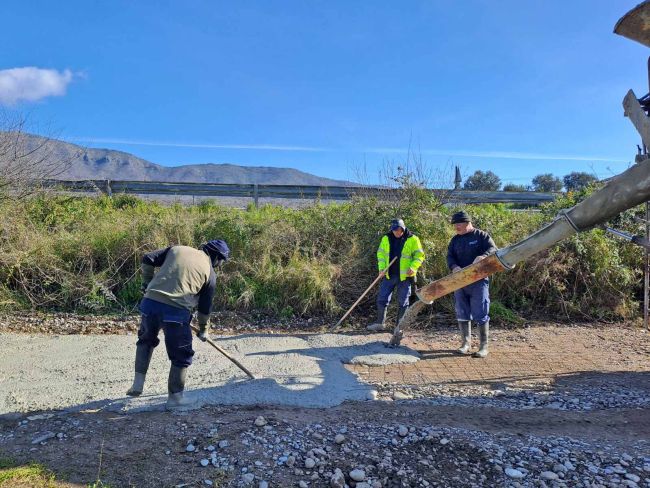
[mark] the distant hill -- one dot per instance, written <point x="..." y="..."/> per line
<point x="107" y="164"/>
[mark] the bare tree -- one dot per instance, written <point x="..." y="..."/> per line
<point x="400" y="178"/>
<point x="25" y="159"/>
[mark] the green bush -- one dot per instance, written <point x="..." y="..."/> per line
<point x="81" y="253"/>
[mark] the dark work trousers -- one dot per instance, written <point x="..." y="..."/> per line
<point x="473" y="302"/>
<point x="175" y="323"/>
<point x="386" y="291"/>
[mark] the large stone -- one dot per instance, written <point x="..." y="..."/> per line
<point x="338" y="479"/>
<point x="548" y="475"/>
<point x="358" y="474"/>
<point x="514" y="473"/>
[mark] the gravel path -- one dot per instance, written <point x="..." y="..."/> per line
<point x="552" y="406"/>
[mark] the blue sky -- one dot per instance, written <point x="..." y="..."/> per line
<point x="329" y="87"/>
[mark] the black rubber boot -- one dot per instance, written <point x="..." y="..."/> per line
<point x="380" y="324"/>
<point x="176" y="388"/>
<point x="400" y="314"/>
<point x="484" y="333"/>
<point x="396" y="339"/>
<point x="465" y="327"/>
<point x="143" y="354"/>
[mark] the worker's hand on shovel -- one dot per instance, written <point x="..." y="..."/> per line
<point x="202" y="320"/>
<point x="201" y="334"/>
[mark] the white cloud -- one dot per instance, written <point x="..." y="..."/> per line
<point x="373" y="150"/>
<point x="31" y="84"/>
<point x="499" y="154"/>
<point x="266" y="147"/>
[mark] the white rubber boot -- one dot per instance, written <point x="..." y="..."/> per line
<point x="465" y="327"/>
<point x="380" y="324"/>
<point x="484" y="332"/>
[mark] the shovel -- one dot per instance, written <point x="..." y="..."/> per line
<point x="383" y="273"/>
<point x="222" y="351"/>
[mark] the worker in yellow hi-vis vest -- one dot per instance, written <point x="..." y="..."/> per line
<point x="401" y="243"/>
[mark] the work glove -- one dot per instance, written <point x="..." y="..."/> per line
<point x="202" y="333"/>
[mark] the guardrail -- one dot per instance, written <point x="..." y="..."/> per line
<point x="256" y="192"/>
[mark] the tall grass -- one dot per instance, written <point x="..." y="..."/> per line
<point x="83" y="253"/>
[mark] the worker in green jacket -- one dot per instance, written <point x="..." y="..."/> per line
<point x="402" y="244"/>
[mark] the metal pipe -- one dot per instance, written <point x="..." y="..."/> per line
<point x="627" y="190"/>
<point x="638" y="240"/>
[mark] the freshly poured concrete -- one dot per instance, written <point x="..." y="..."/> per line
<point x="40" y="372"/>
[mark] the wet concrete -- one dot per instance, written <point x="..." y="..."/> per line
<point x="39" y="372"/>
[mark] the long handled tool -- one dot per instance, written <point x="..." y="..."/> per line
<point x="383" y="273"/>
<point x="222" y="351"/>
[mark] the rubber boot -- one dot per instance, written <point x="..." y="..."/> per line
<point x="176" y="388"/>
<point x="398" y="334"/>
<point x="380" y="325"/>
<point x="142" y="359"/>
<point x="465" y="327"/>
<point x="484" y="333"/>
<point x="400" y="314"/>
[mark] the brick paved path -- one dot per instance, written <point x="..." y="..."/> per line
<point x="536" y="354"/>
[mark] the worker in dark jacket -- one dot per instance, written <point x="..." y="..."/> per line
<point x="185" y="281"/>
<point x="469" y="246"/>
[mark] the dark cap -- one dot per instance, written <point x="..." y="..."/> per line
<point x="460" y="217"/>
<point x="396" y="224"/>
<point x="217" y="250"/>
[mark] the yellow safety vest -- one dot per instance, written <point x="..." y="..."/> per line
<point x="412" y="256"/>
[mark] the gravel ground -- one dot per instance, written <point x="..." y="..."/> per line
<point x="575" y="426"/>
<point x="383" y="444"/>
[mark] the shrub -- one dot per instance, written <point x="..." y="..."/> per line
<point x="80" y="253"/>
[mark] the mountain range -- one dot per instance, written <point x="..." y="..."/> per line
<point x="107" y="164"/>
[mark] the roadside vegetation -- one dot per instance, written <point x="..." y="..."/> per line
<point x="82" y="254"/>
